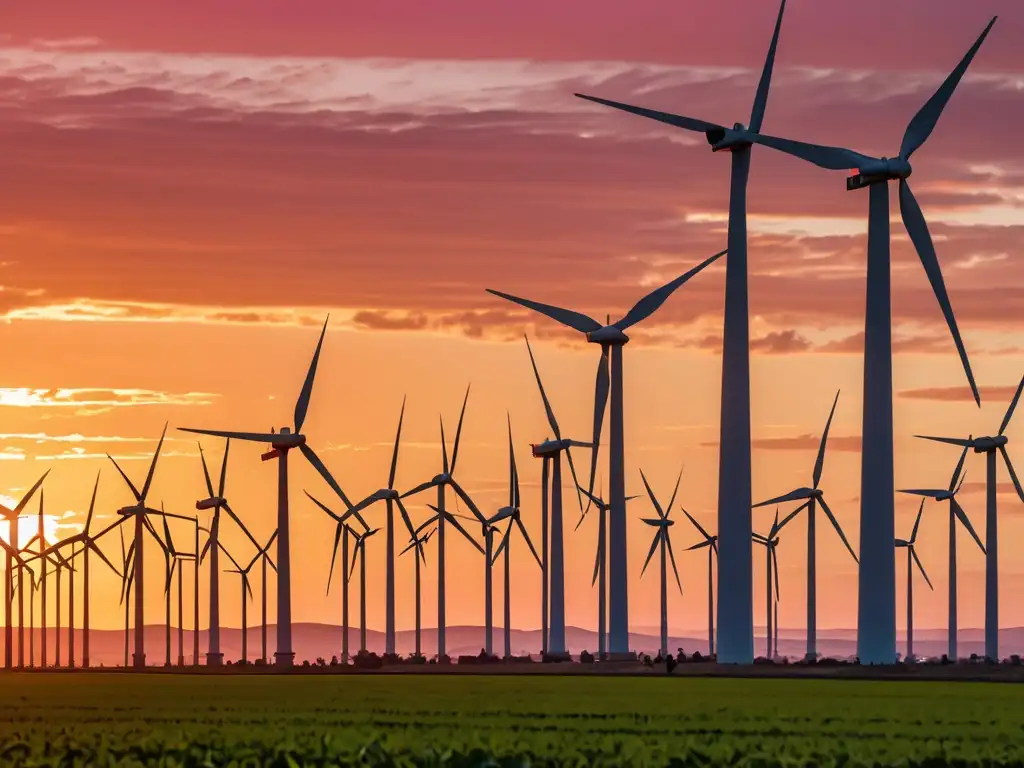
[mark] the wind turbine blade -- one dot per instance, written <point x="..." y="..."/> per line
<point x="917" y="523"/>
<point x="206" y="548"/>
<point x="92" y="503"/>
<point x="959" y="468"/>
<point x="228" y="555"/>
<point x="429" y="521"/>
<point x="829" y="158"/>
<point x="650" y="493"/>
<point x="775" y="571"/>
<point x="91" y="544"/>
<point x="469" y="502"/>
<point x="962" y="517"/>
<point x="1013" y="474"/>
<point x="598" y="557"/>
<point x="552" y="421"/>
<point x="394" y="455"/>
<point x="761" y="98"/>
<point x="701" y="545"/>
<point x="839" y="529"/>
<point x="575" y="479"/>
<point x="679" y="121"/>
<point x="313" y="459"/>
<point x="923" y="123"/>
<point x="511" y="463"/>
<point x="223" y="469"/>
<point x="324" y="507"/>
<point x="920" y="567"/>
<point x="696" y="525"/>
<point x="419" y="489"/>
<point x="458" y="526"/>
<point x="410" y="546"/>
<point x="252" y="437"/>
<point x="928" y="493"/>
<point x="240" y="524"/>
<point x="650" y="303"/>
<point x="600" y="402"/>
<point x="206" y="471"/>
<point x="575" y="320"/>
<point x="131" y="485"/>
<point x="671" y="501"/>
<point x="152" y="465"/>
<point x="1013" y="405"/>
<point x="458" y="430"/>
<point x="820" y="461"/>
<point x="650" y="553"/>
<point x="148" y="525"/>
<point x="501" y="546"/>
<point x="167" y="534"/>
<point x="917" y="228"/>
<point x="444" y="446"/>
<point x="798" y="495"/>
<point x="902" y="543"/>
<point x="672" y="558"/>
<point x="949" y="440"/>
<point x="791" y="515"/>
<point x="529" y="542"/>
<point x="775" y="526"/>
<point x="357" y="552"/>
<point x="170" y="575"/>
<point x="248" y="586"/>
<point x="405" y="517"/>
<point x="515" y="471"/>
<point x="302" y="404"/>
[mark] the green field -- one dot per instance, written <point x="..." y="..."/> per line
<point x="87" y="719"/>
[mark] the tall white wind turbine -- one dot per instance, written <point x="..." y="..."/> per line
<point x="391" y="498"/>
<point x="876" y="622"/>
<point x="912" y="560"/>
<point x="989" y="446"/>
<point x="612" y="338"/>
<point x="444" y="518"/>
<point x="281" y="443"/>
<point x="553" y="529"/>
<point x="956" y="512"/>
<point x="662" y="542"/>
<point x="736" y="625"/>
<point x="811" y="497"/>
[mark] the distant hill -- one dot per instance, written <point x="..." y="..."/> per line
<point x="322" y="640"/>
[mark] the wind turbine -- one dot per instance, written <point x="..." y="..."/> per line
<point x="512" y="513"/>
<point x="264" y="555"/>
<point x="139" y="511"/>
<point x="912" y="558"/>
<point x="550" y="451"/>
<point x="770" y="542"/>
<point x="956" y="512"/>
<point x="662" y="542"/>
<point x="341" y="534"/>
<point x="40" y="538"/>
<point x="246" y="589"/>
<point x="600" y="577"/>
<point x="126" y="587"/>
<point x="216" y="502"/>
<point x="440" y="482"/>
<point x="811" y="497"/>
<point x="12" y="515"/>
<point x="734" y="493"/>
<point x="989" y="446"/>
<point x="417" y="542"/>
<point x="391" y="497"/>
<point x="612" y="338"/>
<point x="177" y="557"/>
<point x="282" y="442"/>
<point x="711" y="544"/>
<point x="876" y="625"/>
<point x="359" y="553"/>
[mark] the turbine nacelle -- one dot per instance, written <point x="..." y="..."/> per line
<point x="385" y="493"/>
<point x="728" y="139"/>
<point x="986" y="444"/>
<point x="549" y="448"/>
<point x="441" y="479"/>
<point x="134" y="509"/>
<point x="211" y="503"/>
<point x="607" y="335"/>
<point x="285" y="439"/>
<point x="882" y="169"/>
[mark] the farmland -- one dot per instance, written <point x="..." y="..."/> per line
<point x="62" y="718"/>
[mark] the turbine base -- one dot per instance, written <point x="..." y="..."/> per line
<point x="214" y="659"/>
<point x="138" y="660"/>
<point x="284" y="659"/>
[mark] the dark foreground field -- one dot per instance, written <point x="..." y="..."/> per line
<point x="106" y="719"/>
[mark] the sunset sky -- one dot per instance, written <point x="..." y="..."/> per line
<point x="188" y="188"/>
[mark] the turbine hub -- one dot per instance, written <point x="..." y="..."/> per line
<point x="607" y="335"/>
<point x="986" y="444"/>
<point x="387" y="493"/>
<point x="879" y="170"/>
<point x="729" y="139"/>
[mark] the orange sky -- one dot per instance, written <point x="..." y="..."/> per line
<point x="181" y="211"/>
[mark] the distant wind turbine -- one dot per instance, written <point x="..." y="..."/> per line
<point x="417" y="543"/>
<point x="956" y="512"/>
<point x="770" y="542"/>
<point x="876" y="624"/>
<point x="736" y="602"/>
<point x="12" y="516"/>
<point x="264" y="556"/>
<point x="913" y="559"/>
<point x="989" y="446"/>
<point x="811" y="497"/>
<point x="359" y="553"/>
<point x="390" y="497"/>
<point x="711" y="544"/>
<point x="612" y="338"/>
<point x="177" y="557"/>
<point x="662" y="542"/>
<point x="246" y="592"/>
<point x="282" y="442"/>
<point x="600" y="577"/>
<point x="443" y="518"/>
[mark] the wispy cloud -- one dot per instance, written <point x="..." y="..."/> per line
<point x="88" y="402"/>
<point x="998" y="393"/>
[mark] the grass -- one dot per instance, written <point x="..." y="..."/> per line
<point x="86" y="719"/>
